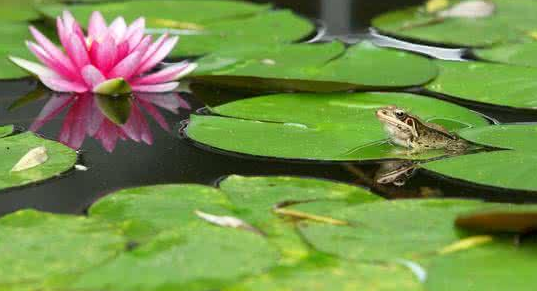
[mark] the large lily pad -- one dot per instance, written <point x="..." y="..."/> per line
<point x="500" y="265"/>
<point x="320" y="126"/>
<point x="204" y="26"/>
<point x="390" y="230"/>
<point x="522" y="54"/>
<point x="198" y="258"/>
<point x="38" y="246"/>
<point x="14" y="147"/>
<point x="496" y="84"/>
<point x="512" y="20"/>
<point x="488" y="168"/>
<point x="317" y="68"/>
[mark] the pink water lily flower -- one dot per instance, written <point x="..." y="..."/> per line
<point x="111" y="59"/>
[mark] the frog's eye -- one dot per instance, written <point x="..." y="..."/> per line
<point x="400" y="114"/>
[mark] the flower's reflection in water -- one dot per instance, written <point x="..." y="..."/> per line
<point x="108" y="119"/>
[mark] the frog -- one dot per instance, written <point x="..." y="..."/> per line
<point x="409" y="131"/>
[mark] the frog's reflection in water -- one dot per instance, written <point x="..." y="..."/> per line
<point x="108" y="118"/>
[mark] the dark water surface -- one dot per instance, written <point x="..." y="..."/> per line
<point x="172" y="159"/>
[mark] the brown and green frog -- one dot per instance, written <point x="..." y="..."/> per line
<point x="409" y="131"/>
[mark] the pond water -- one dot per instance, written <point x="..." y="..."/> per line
<point x="171" y="158"/>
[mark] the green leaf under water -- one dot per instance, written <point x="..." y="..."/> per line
<point x="511" y="21"/>
<point x="204" y="26"/>
<point x="320" y="126"/>
<point x="316" y="68"/>
<point x="12" y="148"/>
<point x="496" y="84"/>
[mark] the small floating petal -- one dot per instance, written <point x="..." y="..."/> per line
<point x="33" y="158"/>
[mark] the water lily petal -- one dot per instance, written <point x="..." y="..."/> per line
<point x="33" y="68"/>
<point x="61" y="85"/>
<point x="126" y="67"/>
<point x="71" y="26"/>
<point x="51" y="49"/>
<point x="103" y="54"/>
<point x="92" y="76"/>
<point x="118" y="28"/>
<point x="42" y="56"/>
<point x="135" y="33"/>
<point x="77" y="52"/>
<point x="159" y="55"/>
<point x="97" y="26"/>
<point x="171" y="73"/>
<point x="113" y="87"/>
<point x="165" y="87"/>
<point x="143" y="46"/>
<point x="122" y="51"/>
<point x="152" y="49"/>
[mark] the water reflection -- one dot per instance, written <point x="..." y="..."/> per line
<point x="104" y="118"/>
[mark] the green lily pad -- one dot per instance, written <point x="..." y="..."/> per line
<point x="389" y="230"/>
<point x="146" y="211"/>
<point x="495" y="84"/>
<point x="332" y="275"/>
<point x="204" y="26"/>
<point x="520" y="137"/>
<point x="203" y="257"/>
<point x="512" y="20"/>
<point x="316" y="68"/>
<point x="500" y="265"/>
<point x="522" y="54"/>
<point x="326" y="126"/>
<point x="14" y="147"/>
<point x="37" y="246"/>
<point x="488" y="168"/>
<point x="256" y="198"/>
<point x="6" y="130"/>
<point x="12" y="42"/>
<point x="21" y="10"/>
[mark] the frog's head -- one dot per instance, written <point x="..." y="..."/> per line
<point x="398" y="123"/>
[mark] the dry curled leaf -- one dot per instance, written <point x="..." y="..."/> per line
<point x="466" y="243"/>
<point x="469" y="9"/>
<point x="433" y="6"/>
<point x="227" y="221"/>
<point x="31" y="159"/>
